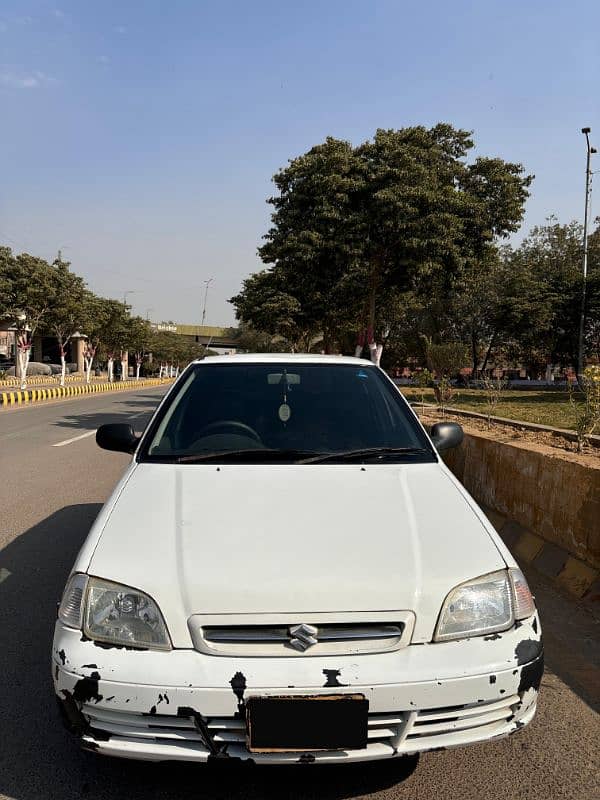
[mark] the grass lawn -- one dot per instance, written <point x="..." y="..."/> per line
<point x="544" y="407"/>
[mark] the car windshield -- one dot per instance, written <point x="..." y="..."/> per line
<point x="294" y="412"/>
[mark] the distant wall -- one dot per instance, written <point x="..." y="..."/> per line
<point x="558" y="500"/>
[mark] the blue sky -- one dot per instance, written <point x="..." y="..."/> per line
<point x="141" y="137"/>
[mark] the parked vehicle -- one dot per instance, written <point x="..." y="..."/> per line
<point x="287" y="571"/>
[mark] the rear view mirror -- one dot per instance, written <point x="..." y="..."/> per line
<point x="117" y="437"/>
<point x="446" y="435"/>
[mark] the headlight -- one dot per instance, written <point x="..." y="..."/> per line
<point x="485" y="605"/>
<point x="112" y="613"/>
<point x="120" y="615"/>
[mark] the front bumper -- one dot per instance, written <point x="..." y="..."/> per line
<point x="188" y="706"/>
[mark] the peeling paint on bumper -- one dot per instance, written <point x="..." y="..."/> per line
<point x="185" y="705"/>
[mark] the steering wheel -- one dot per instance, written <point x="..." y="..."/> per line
<point x="229" y="424"/>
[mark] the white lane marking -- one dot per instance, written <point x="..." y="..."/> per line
<point x="74" y="439"/>
<point x="4" y="573"/>
<point x="89" y="433"/>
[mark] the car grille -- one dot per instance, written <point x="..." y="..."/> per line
<point x="229" y="730"/>
<point x="435" y="727"/>
<point x="402" y="731"/>
<point x="333" y="637"/>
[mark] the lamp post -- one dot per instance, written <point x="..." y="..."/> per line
<point x="588" y="190"/>
<point x="206" y="285"/>
<point x="129" y="291"/>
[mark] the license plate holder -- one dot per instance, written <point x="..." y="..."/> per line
<point x="300" y="723"/>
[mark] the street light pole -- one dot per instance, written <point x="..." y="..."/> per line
<point x="206" y="285"/>
<point x="129" y="291"/>
<point x="588" y="190"/>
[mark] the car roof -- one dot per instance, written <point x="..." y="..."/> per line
<point x="282" y="358"/>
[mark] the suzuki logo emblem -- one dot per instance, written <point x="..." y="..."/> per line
<point x="303" y="636"/>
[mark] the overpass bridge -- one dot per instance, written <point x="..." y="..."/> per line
<point x="207" y="335"/>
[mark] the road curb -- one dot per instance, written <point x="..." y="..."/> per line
<point x="28" y="396"/>
<point x="569" y="574"/>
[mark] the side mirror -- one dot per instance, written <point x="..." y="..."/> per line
<point x="446" y="435"/>
<point x="117" y="437"/>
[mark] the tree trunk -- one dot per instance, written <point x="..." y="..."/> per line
<point x="23" y="360"/>
<point x="488" y="352"/>
<point x="474" y="355"/>
<point x="137" y="370"/>
<point x="110" y="368"/>
<point x="375" y="350"/>
<point x="63" y="368"/>
<point x="88" y="368"/>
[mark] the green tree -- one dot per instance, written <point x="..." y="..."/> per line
<point x="445" y="360"/>
<point x="252" y="340"/>
<point x="352" y="225"/>
<point x="542" y="294"/>
<point x="265" y="306"/>
<point x="170" y="349"/>
<point x="94" y="311"/>
<point x="113" y="333"/>
<point x="28" y="291"/>
<point x="67" y="314"/>
<point x="139" y="338"/>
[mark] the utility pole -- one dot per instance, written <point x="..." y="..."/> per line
<point x="588" y="191"/>
<point x="129" y="291"/>
<point x="206" y="285"/>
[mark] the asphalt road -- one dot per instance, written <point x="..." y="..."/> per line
<point x="53" y="481"/>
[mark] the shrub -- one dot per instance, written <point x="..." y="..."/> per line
<point x="587" y="417"/>
<point x="445" y="360"/>
<point x="493" y="391"/>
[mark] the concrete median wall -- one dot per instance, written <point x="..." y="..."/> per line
<point x="555" y="499"/>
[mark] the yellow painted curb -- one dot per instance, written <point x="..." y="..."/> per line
<point x="39" y="395"/>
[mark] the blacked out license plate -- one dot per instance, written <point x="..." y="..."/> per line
<point x="296" y="723"/>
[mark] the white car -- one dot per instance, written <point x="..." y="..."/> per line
<point x="288" y="572"/>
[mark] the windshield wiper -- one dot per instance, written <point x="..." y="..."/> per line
<point x="242" y="456"/>
<point x="366" y="452"/>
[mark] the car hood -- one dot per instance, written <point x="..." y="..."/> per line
<point x="233" y="539"/>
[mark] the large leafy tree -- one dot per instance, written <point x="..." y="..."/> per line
<point x="29" y="291"/>
<point x="542" y="294"/>
<point x="267" y="306"/>
<point x="353" y="226"/>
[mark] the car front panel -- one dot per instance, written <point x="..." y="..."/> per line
<point x="187" y="705"/>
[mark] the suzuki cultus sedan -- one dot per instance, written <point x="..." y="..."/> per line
<point x="286" y="572"/>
